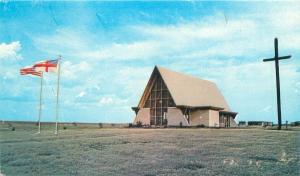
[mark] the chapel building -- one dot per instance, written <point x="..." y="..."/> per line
<point x="175" y="99"/>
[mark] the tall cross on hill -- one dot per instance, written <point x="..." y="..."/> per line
<point x="276" y="59"/>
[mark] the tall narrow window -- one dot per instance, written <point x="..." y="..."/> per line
<point x="158" y="100"/>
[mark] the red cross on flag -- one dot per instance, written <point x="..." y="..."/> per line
<point x="46" y="66"/>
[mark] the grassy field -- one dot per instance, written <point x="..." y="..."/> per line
<point x="106" y="151"/>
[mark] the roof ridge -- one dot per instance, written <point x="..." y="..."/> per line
<point x="184" y="74"/>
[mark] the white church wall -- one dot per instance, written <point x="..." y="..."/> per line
<point x="214" y="118"/>
<point x="175" y="116"/>
<point x="199" y="117"/>
<point x="143" y="116"/>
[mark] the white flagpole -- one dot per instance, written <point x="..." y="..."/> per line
<point x="40" y="109"/>
<point x="57" y="93"/>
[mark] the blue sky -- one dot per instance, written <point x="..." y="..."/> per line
<point x="110" y="48"/>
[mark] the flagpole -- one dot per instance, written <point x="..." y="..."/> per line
<point x="57" y="93"/>
<point x="40" y="109"/>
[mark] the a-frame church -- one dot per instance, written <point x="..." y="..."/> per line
<point x="174" y="99"/>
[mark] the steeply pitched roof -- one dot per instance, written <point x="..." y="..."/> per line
<point x="190" y="91"/>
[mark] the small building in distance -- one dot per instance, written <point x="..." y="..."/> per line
<point x="242" y="123"/>
<point x="259" y="123"/>
<point x="176" y="99"/>
<point x="296" y="123"/>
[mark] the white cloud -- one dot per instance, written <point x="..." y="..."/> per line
<point x="297" y="88"/>
<point x="81" y="94"/>
<point x="133" y="79"/>
<point x="246" y="35"/>
<point x="126" y="51"/>
<point x="9" y="66"/>
<point x="73" y="70"/>
<point x="112" y="100"/>
<point x="267" y="108"/>
<point x="285" y="17"/>
<point x="105" y="101"/>
<point x="210" y="28"/>
<point x="97" y="87"/>
<point x="10" y="51"/>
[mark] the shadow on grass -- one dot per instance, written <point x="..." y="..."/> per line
<point x="103" y="146"/>
<point x="190" y="166"/>
<point x="46" y="153"/>
<point x="262" y="158"/>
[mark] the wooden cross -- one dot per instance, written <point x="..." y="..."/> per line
<point x="276" y="59"/>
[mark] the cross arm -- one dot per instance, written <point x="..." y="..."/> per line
<point x="279" y="58"/>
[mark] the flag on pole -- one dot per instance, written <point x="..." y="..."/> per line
<point x="46" y="66"/>
<point x="31" y="71"/>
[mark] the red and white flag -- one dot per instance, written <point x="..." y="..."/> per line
<point x="46" y="66"/>
<point x="31" y="71"/>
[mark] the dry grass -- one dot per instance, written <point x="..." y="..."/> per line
<point x="149" y="152"/>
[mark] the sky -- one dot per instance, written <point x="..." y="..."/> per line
<point x="109" y="50"/>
